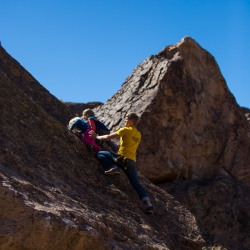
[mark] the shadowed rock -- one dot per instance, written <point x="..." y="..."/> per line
<point x="53" y="194"/>
<point x="77" y="108"/>
<point x="192" y="127"/>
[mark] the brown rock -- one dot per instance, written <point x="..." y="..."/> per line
<point x="77" y="108"/>
<point x="246" y="111"/>
<point x="192" y="127"/>
<point x="221" y="207"/>
<point x="14" y="73"/>
<point x="193" y="133"/>
<point x="53" y="194"/>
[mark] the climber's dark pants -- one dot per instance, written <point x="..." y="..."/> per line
<point x="107" y="159"/>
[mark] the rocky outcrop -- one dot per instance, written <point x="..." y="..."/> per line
<point x="221" y="207"/>
<point x="195" y="138"/>
<point x="192" y="128"/>
<point x="53" y="194"/>
<point x="15" y="76"/>
<point x="77" y="108"/>
<point x="245" y="110"/>
<point x="53" y="191"/>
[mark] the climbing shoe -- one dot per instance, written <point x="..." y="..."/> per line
<point x="112" y="171"/>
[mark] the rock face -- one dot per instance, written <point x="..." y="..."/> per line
<point x="53" y="194"/>
<point x="195" y="138"/>
<point x="192" y="128"/>
<point x="77" y="108"/>
<point x="248" y="117"/>
<point x="221" y="207"/>
<point x="15" y="76"/>
<point x="246" y="111"/>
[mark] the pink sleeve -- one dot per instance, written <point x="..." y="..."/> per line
<point x="92" y="124"/>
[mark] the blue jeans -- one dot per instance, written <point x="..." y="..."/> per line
<point x="107" y="159"/>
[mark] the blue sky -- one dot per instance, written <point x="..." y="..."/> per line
<point x="83" y="50"/>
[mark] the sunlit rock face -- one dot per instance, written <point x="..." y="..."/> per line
<point x="192" y="128"/>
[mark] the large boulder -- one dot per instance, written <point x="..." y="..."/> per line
<point x="53" y="193"/>
<point x="221" y="207"/>
<point x="192" y="128"/>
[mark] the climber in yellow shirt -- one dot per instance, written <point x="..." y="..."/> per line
<point x="130" y="139"/>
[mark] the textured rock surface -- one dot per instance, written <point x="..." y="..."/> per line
<point x="195" y="138"/>
<point x="53" y="194"/>
<point x="191" y="125"/>
<point x="77" y="108"/>
<point x="16" y="76"/>
<point x="221" y="207"/>
<point x="246" y="111"/>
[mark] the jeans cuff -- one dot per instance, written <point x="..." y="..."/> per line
<point x="145" y="199"/>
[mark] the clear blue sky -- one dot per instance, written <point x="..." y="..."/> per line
<point x="83" y="50"/>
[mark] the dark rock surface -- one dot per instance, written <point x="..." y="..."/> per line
<point x="221" y="207"/>
<point x="53" y="194"/>
<point x="77" y="108"/>
<point x="246" y="111"/>
<point x="24" y="84"/>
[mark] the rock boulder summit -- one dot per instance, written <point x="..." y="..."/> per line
<point x="192" y="128"/>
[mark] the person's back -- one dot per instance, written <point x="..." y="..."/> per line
<point x="130" y="139"/>
<point x="99" y="126"/>
<point x="77" y="122"/>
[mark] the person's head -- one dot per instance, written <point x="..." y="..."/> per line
<point x="87" y="113"/>
<point x="131" y="119"/>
